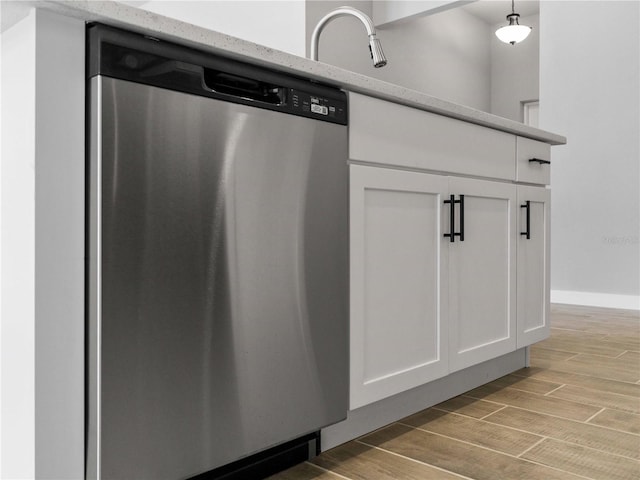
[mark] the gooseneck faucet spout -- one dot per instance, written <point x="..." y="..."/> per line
<point x="377" y="55"/>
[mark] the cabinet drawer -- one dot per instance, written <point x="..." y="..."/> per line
<point x="392" y="134"/>
<point x="531" y="158"/>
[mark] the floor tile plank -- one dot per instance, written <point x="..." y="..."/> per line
<point x="593" y="326"/>
<point x="580" y="380"/>
<point x="536" y="403"/>
<point x="628" y="342"/>
<point x="525" y="384"/>
<point x="544" y="354"/>
<point x="474" y="431"/>
<point x="305" y="471"/>
<point x="584" y="461"/>
<point x="598" y="398"/>
<point x="595" y="366"/>
<point x="580" y="344"/>
<point x="459" y="457"/>
<point x="471" y="407"/>
<point x="362" y="462"/>
<point x="632" y="357"/>
<point x="591" y="436"/>
<point x="626" y="422"/>
<point x="615" y="368"/>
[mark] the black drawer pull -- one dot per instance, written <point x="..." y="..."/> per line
<point x="527" y="205"/>
<point x="540" y="161"/>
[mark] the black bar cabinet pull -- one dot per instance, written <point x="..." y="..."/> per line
<point x="527" y="205"/>
<point x="452" y="218"/>
<point x="461" y="202"/>
<point x="540" y="161"/>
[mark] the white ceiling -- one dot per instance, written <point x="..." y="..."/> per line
<point x="496" y="11"/>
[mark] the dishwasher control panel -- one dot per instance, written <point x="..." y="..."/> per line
<point x="139" y="59"/>
<point x="315" y="106"/>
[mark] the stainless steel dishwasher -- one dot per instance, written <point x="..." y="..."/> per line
<point x="218" y="262"/>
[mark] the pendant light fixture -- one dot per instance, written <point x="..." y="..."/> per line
<point x="514" y="32"/>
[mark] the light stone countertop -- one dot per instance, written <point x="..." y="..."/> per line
<point x="165" y="28"/>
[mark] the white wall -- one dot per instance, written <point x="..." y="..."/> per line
<point x="277" y="24"/>
<point x="344" y="40"/>
<point x="17" y="350"/>
<point x="42" y="312"/>
<point x="446" y="55"/>
<point x="590" y="92"/>
<point x="515" y="71"/>
<point x="387" y="11"/>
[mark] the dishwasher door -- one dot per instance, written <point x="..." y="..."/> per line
<point x="218" y="280"/>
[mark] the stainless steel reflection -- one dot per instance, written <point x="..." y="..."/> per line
<point x="218" y="280"/>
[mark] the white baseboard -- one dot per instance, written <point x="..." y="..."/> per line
<point x="591" y="299"/>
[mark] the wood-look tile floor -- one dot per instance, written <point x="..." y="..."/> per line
<point x="575" y="414"/>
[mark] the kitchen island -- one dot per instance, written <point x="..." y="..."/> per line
<point x="426" y="356"/>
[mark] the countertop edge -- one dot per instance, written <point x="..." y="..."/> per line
<point x="165" y="28"/>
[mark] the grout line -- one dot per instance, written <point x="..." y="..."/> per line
<point x="536" y="443"/>
<point x="573" y="356"/>
<point x="329" y="471"/>
<point x="573" y="330"/>
<point x="483" y="399"/>
<point x="414" y="460"/>
<point x="594" y="415"/>
<point x="557" y="388"/>
<point x="478" y="419"/>
<point x="512" y="387"/>
<point x="559" y="469"/>
<point x="488" y="414"/>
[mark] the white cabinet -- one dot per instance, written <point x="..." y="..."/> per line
<point x="391" y="134"/>
<point x="533" y="265"/>
<point x="425" y="303"/>
<point x="482" y="273"/>
<point x="399" y="337"/>
<point x="422" y="305"/>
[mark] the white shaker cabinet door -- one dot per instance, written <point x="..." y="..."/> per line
<point x="482" y="272"/>
<point x="533" y="265"/>
<point x="399" y="332"/>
